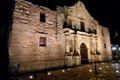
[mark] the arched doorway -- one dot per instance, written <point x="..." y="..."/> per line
<point x="84" y="54"/>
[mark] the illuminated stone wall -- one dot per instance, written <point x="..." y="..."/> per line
<point x="27" y="29"/>
<point x="36" y="44"/>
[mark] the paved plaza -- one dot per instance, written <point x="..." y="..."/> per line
<point x="105" y="71"/>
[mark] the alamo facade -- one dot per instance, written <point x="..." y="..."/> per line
<point x="69" y="36"/>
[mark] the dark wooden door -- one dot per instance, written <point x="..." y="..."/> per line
<point x="84" y="54"/>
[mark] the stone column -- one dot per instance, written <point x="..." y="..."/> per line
<point x="67" y="49"/>
<point x="68" y="56"/>
<point x="76" y="56"/>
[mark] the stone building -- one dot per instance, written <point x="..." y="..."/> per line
<point x="42" y="38"/>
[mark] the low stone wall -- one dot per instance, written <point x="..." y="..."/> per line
<point x="31" y="65"/>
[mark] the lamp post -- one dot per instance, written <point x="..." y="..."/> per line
<point x="95" y="67"/>
<point x="75" y="40"/>
<point x="96" y="54"/>
<point x="115" y="50"/>
<point x="95" y="63"/>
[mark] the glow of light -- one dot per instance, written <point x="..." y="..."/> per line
<point x="63" y="70"/>
<point x="31" y="77"/>
<point x="107" y="66"/>
<point x="49" y="73"/>
<point x="119" y="48"/>
<point x="112" y="64"/>
<point x="79" y="67"/>
<point x="117" y="71"/>
<point x="100" y="68"/>
<point x="90" y="70"/>
<point x="102" y="63"/>
<point x="116" y="64"/>
<point x="68" y="69"/>
<point x="114" y="48"/>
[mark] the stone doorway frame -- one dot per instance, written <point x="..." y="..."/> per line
<point x="84" y="53"/>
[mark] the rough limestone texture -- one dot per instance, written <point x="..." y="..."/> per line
<point x="66" y="45"/>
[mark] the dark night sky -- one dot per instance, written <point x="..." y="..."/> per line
<point x="106" y="12"/>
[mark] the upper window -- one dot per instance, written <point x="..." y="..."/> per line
<point x="42" y="17"/>
<point x="42" y="41"/>
<point x="65" y="24"/>
<point x="82" y="26"/>
<point x="94" y="31"/>
<point x="104" y="45"/>
<point x="89" y="30"/>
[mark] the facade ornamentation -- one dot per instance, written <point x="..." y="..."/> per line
<point x="42" y="38"/>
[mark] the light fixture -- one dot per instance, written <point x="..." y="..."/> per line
<point x="114" y="48"/>
<point x="63" y="70"/>
<point x="49" y="73"/>
<point x="116" y="64"/>
<point x="107" y="66"/>
<point x="100" y="68"/>
<point x="117" y="71"/>
<point x="68" y="69"/>
<point x="30" y="76"/>
<point x="90" y="70"/>
<point x="119" y="48"/>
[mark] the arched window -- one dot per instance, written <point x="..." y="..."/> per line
<point x="94" y="31"/>
<point x="89" y="30"/>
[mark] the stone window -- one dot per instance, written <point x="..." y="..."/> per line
<point x="94" y="31"/>
<point x="71" y="45"/>
<point x="42" y="17"/>
<point x="65" y="24"/>
<point x="104" y="45"/>
<point x="89" y="30"/>
<point x="82" y="26"/>
<point x="42" y="41"/>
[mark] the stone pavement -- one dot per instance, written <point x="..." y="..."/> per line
<point x="105" y="71"/>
